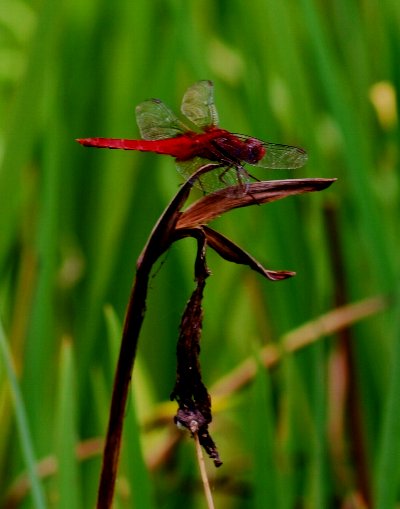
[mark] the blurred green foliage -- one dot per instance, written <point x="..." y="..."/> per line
<point x="322" y="75"/>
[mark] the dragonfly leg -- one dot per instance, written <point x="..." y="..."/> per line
<point x="243" y="176"/>
<point x="243" y="179"/>
<point x="201" y="172"/>
<point x="252" y="177"/>
<point x="247" y="185"/>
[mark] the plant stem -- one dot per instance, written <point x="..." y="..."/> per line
<point x="203" y="472"/>
<point x="133" y="322"/>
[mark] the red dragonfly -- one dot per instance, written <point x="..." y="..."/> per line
<point x="198" y="141"/>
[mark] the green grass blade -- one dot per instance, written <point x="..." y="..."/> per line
<point x="357" y="153"/>
<point x="68" y="487"/>
<point x="266" y="476"/>
<point x="21" y="132"/>
<point x="318" y="464"/>
<point x="387" y="469"/>
<point x="27" y="448"/>
<point x="40" y="345"/>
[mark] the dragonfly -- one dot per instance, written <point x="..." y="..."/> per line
<point x="197" y="141"/>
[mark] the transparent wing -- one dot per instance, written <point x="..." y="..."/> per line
<point x="198" y="104"/>
<point x="157" y="122"/>
<point x="218" y="178"/>
<point x="281" y="156"/>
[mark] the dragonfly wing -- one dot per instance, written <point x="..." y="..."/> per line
<point x="198" y="104"/>
<point x="218" y="178"/>
<point x="157" y="122"/>
<point x="282" y="157"/>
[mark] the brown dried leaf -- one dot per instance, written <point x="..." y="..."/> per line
<point x="213" y="205"/>
<point x="233" y="253"/>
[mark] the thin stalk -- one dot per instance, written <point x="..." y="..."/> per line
<point x="203" y="472"/>
<point x="133" y="322"/>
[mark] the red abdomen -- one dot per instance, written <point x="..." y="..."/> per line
<point x="174" y="147"/>
<point x="182" y="147"/>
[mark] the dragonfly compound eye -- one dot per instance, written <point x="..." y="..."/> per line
<point x="254" y="151"/>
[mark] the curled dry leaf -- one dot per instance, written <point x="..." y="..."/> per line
<point x="214" y="205"/>
<point x="232" y="252"/>
<point x="193" y="220"/>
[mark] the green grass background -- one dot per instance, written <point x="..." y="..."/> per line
<point x="322" y="75"/>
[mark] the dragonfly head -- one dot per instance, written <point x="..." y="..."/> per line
<point x="253" y="151"/>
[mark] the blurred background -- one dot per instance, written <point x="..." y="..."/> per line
<point x="319" y="428"/>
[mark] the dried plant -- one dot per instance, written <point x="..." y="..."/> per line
<point x="194" y="401"/>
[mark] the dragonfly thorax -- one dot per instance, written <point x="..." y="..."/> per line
<point x="240" y="148"/>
